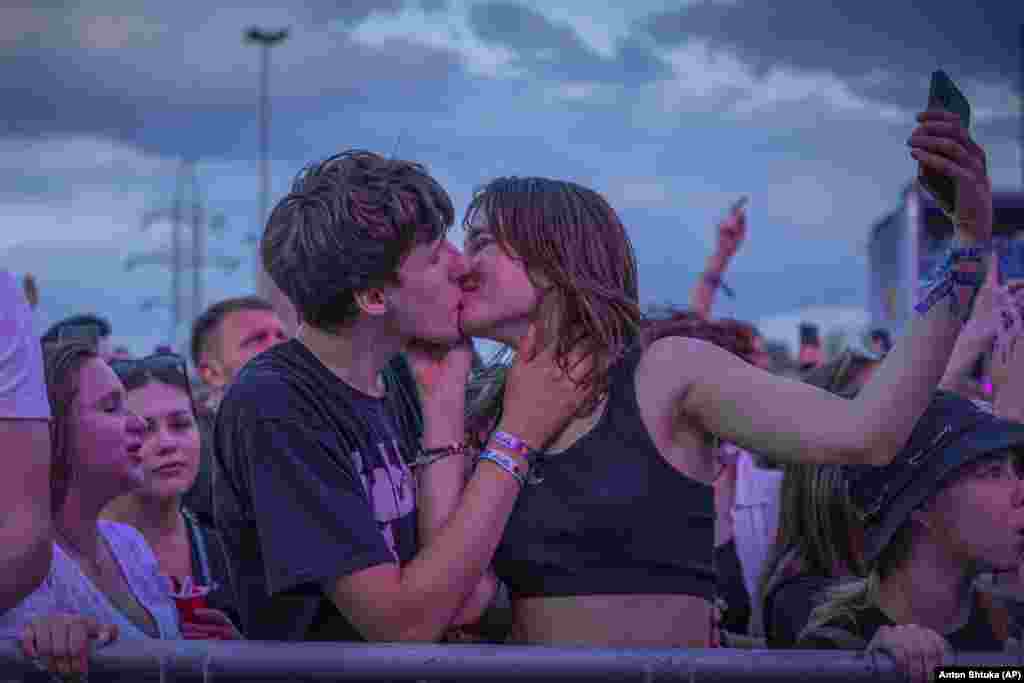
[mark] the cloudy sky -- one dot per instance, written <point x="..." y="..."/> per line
<point x="671" y="109"/>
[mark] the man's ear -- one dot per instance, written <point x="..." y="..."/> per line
<point x="372" y="301"/>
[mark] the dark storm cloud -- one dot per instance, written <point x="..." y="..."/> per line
<point x="904" y="39"/>
<point x="164" y="77"/>
<point x="556" y="50"/>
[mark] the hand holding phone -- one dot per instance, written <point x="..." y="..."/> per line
<point x="951" y="165"/>
<point x="943" y="94"/>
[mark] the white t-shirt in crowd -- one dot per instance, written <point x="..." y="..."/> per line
<point x="755" y="512"/>
<point x="67" y="589"/>
<point x="22" y="382"/>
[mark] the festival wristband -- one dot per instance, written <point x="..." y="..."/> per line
<point x="506" y="462"/>
<point x="513" y="443"/>
<point x="950" y="275"/>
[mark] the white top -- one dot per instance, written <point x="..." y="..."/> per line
<point x="68" y="590"/>
<point x="755" y="512"/>
<point x="22" y="383"/>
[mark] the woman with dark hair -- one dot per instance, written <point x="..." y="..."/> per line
<point x="104" y="580"/>
<point x="159" y="392"/>
<point x="613" y="546"/>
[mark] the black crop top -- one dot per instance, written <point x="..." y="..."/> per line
<point x="611" y="516"/>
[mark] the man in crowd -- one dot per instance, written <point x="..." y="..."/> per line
<point x="25" y="524"/>
<point x="224" y="338"/>
<point x="330" y="538"/>
<point x="227" y="335"/>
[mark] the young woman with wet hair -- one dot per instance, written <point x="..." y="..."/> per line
<point x="587" y="553"/>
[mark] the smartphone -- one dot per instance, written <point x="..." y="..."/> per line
<point x="739" y="204"/>
<point x="943" y="94"/>
<point x="809" y="335"/>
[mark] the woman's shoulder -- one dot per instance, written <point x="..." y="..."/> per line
<point x="123" y="536"/>
<point x="131" y="549"/>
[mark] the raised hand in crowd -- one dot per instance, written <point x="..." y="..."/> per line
<point x="209" y="624"/>
<point x="977" y="336"/>
<point x="940" y="143"/>
<point x="916" y="650"/>
<point x="732" y="231"/>
<point x="1008" y="356"/>
<point x="61" y="641"/>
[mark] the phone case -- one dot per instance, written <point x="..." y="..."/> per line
<point x="943" y="94"/>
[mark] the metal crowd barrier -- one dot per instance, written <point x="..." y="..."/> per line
<point x="162" y="660"/>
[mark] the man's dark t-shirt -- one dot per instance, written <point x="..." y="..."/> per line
<point x="316" y="487"/>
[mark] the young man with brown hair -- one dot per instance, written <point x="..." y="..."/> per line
<point x="330" y="536"/>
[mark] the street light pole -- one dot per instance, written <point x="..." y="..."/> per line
<point x="264" y="285"/>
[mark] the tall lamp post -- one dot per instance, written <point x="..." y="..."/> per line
<point x="264" y="285"/>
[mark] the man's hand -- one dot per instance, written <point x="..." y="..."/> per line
<point x="942" y="145"/>
<point x="731" y="233"/>
<point x="62" y="641"/>
<point x="440" y="371"/>
<point x="916" y="650"/>
<point x="540" y="399"/>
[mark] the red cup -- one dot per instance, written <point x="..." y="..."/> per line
<point x="187" y="607"/>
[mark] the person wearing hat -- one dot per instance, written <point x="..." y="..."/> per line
<point x="949" y="507"/>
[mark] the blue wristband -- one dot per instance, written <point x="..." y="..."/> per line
<point x="505" y="462"/>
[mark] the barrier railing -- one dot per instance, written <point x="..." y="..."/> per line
<point x="252" y="660"/>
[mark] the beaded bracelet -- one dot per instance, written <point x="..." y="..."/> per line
<point x="429" y="456"/>
<point x="948" y="277"/>
<point x="505" y="462"/>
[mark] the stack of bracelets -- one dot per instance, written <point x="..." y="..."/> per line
<point x="951" y="274"/>
<point x="506" y="451"/>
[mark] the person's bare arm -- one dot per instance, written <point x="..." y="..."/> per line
<point x="441" y="378"/>
<point x="976" y="338"/>
<point x="731" y="233"/>
<point x="419" y="601"/>
<point x="26" y="537"/>
<point x="792" y="421"/>
<point x="1008" y="363"/>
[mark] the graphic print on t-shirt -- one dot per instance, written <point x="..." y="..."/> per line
<point x="390" y="486"/>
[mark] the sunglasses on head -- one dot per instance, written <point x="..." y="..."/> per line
<point x="157" y="362"/>
<point x="85" y="332"/>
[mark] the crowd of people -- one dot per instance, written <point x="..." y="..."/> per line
<point x="618" y="478"/>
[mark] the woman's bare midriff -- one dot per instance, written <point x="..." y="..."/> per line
<point x="678" y="621"/>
